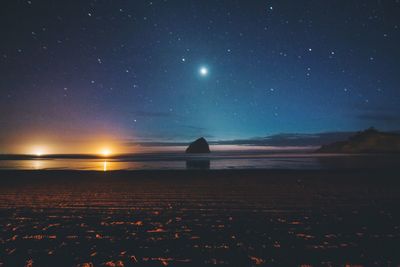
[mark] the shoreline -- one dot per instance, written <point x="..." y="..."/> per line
<point x="193" y="217"/>
<point x="209" y="172"/>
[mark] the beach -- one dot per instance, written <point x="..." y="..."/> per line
<point x="200" y="217"/>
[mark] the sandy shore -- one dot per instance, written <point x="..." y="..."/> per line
<point x="197" y="218"/>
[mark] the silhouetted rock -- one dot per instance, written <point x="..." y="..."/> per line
<point x="368" y="141"/>
<point x="198" y="146"/>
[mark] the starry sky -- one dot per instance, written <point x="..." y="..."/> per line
<point x="75" y="72"/>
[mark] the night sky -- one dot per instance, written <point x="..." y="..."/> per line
<point x="75" y="72"/>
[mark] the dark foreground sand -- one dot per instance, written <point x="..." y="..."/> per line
<point x="199" y="218"/>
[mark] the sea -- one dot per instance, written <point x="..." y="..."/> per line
<point x="217" y="160"/>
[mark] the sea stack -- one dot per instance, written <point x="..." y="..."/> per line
<point x="198" y="146"/>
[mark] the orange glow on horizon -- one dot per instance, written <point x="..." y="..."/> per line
<point x="105" y="152"/>
<point x="54" y="147"/>
<point x="38" y="151"/>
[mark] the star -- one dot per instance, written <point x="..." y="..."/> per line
<point x="203" y="71"/>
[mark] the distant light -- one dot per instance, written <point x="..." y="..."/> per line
<point x="38" y="151"/>
<point x="203" y="71"/>
<point x="105" y="152"/>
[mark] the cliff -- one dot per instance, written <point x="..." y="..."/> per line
<point x="368" y="141"/>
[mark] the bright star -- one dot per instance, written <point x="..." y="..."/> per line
<point x="203" y="71"/>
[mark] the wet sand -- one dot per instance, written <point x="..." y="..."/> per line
<point x="199" y="218"/>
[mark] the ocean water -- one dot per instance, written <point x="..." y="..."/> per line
<point x="215" y="160"/>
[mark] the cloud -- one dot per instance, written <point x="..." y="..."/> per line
<point x="380" y="117"/>
<point x="295" y="139"/>
<point x="283" y="140"/>
<point x="178" y="134"/>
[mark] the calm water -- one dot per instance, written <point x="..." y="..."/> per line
<point x="216" y="160"/>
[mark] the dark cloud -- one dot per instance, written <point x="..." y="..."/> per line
<point x="380" y="117"/>
<point x="282" y="140"/>
<point x="170" y="138"/>
<point x="286" y="139"/>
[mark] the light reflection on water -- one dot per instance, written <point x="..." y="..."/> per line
<point x="87" y="164"/>
<point x="178" y="161"/>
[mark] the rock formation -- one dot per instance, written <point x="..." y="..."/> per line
<point x="368" y="141"/>
<point x="198" y="146"/>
